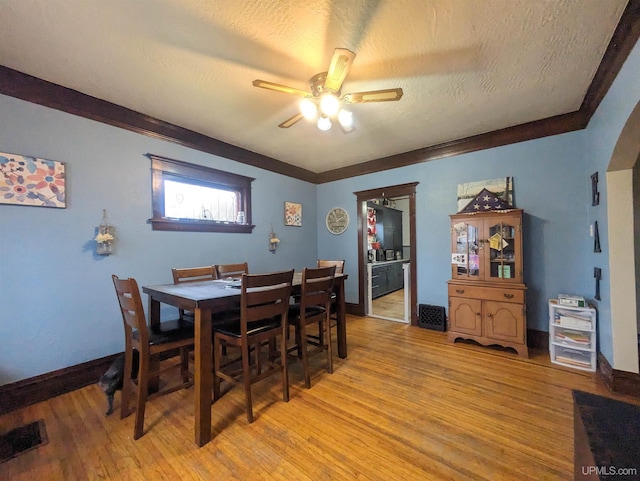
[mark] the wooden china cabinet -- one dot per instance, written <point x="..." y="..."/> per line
<point x="486" y="291"/>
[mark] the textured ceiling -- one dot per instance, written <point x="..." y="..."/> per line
<point x="466" y="66"/>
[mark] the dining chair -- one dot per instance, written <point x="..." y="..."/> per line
<point x="225" y="271"/>
<point x="314" y="307"/>
<point x="333" y="315"/>
<point x="264" y="303"/>
<point x="163" y="339"/>
<point x="192" y="274"/>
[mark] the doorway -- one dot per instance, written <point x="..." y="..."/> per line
<point x="387" y="253"/>
<point x="388" y="259"/>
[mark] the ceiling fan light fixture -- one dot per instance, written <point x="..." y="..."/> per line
<point x="345" y="118"/>
<point x="329" y="104"/>
<point x="308" y="109"/>
<point x="324" y="123"/>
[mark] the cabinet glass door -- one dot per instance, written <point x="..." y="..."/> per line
<point x="465" y="261"/>
<point x="501" y="242"/>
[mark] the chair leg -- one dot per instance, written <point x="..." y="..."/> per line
<point x="184" y="364"/>
<point x="320" y="334"/>
<point x="298" y="341"/>
<point x="125" y="399"/>
<point x="143" y="392"/>
<point x="284" y="364"/>
<point x="216" y="367"/>
<point x="302" y="347"/>
<point x="329" y="345"/>
<point x="246" y="374"/>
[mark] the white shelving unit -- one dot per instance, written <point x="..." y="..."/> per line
<point x="572" y="336"/>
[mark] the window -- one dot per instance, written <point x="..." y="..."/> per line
<point x="188" y="197"/>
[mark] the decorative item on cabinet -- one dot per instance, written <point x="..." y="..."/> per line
<point x="105" y="239"/>
<point x="487" y="296"/>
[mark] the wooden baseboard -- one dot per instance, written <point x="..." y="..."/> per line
<point x="619" y="382"/>
<point x="537" y="339"/>
<point x="354" y="309"/>
<point x="40" y="388"/>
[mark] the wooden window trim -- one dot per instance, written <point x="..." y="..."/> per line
<point x="204" y="176"/>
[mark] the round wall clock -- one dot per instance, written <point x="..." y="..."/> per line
<point x="337" y="220"/>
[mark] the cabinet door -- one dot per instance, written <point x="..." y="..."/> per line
<point x="465" y="315"/>
<point x="394" y="276"/>
<point x="465" y="262"/>
<point x="504" y="321"/>
<point x="378" y="281"/>
<point x="502" y="248"/>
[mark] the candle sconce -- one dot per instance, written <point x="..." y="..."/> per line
<point x="273" y="241"/>
<point x="105" y="239"/>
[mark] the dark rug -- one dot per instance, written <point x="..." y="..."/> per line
<point x="22" y="439"/>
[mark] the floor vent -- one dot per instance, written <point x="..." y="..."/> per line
<point x="432" y="317"/>
<point x="22" y="439"/>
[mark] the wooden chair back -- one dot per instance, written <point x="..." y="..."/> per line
<point x="327" y="263"/>
<point x="169" y="339"/>
<point x="264" y="296"/>
<point x="132" y="313"/>
<point x="314" y="307"/>
<point x="194" y="274"/>
<point x="232" y="270"/>
<point x="317" y="286"/>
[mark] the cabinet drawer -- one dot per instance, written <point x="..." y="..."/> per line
<point x="487" y="293"/>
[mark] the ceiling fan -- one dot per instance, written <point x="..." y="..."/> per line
<point x="324" y="103"/>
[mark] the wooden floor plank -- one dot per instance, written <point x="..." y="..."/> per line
<point x="404" y="405"/>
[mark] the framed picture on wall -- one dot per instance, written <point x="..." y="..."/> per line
<point x="293" y="214"/>
<point x="32" y="181"/>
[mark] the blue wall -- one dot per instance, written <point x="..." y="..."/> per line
<point x="57" y="303"/>
<point x="602" y="134"/>
<point x="549" y="184"/>
<point x="552" y="184"/>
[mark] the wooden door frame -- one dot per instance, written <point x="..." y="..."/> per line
<point x="402" y="190"/>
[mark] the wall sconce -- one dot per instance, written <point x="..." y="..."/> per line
<point x="105" y="238"/>
<point x="273" y="241"/>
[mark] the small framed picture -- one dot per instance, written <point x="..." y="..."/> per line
<point x="595" y="195"/>
<point x="459" y="259"/>
<point x="293" y="214"/>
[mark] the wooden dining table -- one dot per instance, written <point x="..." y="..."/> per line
<point x="204" y="299"/>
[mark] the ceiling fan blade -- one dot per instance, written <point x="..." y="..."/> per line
<point x="338" y="68"/>
<point x="280" y="88"/>
<point x="387" y="95"/>
<point x="289" y="122"/>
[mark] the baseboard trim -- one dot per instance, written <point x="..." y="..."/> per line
<point x="537" y="339"/>
<point x="619" y="382"/>
<point x="40" y="388"/>
<point x="354" y="309"/>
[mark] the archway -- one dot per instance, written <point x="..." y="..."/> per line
<point x="623" y="212"/>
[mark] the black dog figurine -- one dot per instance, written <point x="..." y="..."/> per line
<point x="111" y="380"/>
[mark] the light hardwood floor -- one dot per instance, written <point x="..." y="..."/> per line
<point x="391" y="305"/>
<point x="405" y="405"/>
